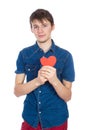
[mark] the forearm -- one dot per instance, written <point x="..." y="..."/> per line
<point x="63" y="91"/>
<point x="25" y="88"/>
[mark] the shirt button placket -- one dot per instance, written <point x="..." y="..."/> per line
<point x="39" y="102"/>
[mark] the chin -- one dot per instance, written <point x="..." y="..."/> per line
<point x="42" y="41"/>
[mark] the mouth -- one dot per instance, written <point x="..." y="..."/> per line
<point x="41" y="36"/>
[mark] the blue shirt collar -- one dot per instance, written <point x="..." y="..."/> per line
<point x="51" y="49"/>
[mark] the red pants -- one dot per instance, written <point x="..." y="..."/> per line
<point x="26" y="126"/>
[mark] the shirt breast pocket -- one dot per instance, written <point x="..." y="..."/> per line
<point x="31" y="70"/>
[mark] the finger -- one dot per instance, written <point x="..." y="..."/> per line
<point x="48" y="67"/>
<point x="45" y="74"/>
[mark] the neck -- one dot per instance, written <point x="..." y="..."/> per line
<point x="45" y="46"/>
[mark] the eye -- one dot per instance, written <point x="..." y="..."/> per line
<point x="45" y="25"/>
<point x="35" y="27"/>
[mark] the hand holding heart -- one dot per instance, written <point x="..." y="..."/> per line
<point x="48" y="72"/>
<point x="41" y="79"/>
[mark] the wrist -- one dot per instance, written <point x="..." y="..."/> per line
<point x="37" y="82"/>
<point x="54" y="81"/>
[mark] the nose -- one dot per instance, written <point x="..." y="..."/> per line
<point x="40" y="29"/>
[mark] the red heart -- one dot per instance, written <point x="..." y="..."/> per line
<point x="48" y="61"/>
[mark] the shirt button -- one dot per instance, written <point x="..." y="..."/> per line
<point x="39" y="102"/>
<point x="29" y="69"/>
<point x="39" y="112"/>
<point x="39" y="91"/>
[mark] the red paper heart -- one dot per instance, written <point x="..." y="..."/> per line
<point x="48" y="61"/>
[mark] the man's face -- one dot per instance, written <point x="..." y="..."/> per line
<point x="42" y="30"/>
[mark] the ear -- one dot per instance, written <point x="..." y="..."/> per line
<point x="53" y="27"/>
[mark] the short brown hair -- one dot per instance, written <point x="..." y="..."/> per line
<point x="41" y="14"/>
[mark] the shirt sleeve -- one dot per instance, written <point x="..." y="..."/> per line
<point x="20" y="67"/>
<point x="68" y="71"/>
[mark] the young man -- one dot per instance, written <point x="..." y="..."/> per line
<point x="49" y="71"/>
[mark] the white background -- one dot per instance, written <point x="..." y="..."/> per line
<point x="70" y="18"/>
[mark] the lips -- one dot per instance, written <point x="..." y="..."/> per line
<point x="41" y="36"/>
<point x="50" y="61"/>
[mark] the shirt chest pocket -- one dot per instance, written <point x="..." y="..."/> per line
<point x="31" y="71"/>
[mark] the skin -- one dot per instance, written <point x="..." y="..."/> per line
<point x="42" y="31"/>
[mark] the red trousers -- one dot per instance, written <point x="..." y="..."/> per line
<point x="26" y="126"/>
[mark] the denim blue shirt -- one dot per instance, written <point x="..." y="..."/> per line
<point x="43" y="104"/>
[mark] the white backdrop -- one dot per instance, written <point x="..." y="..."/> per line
<point x="70" y="18"/>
